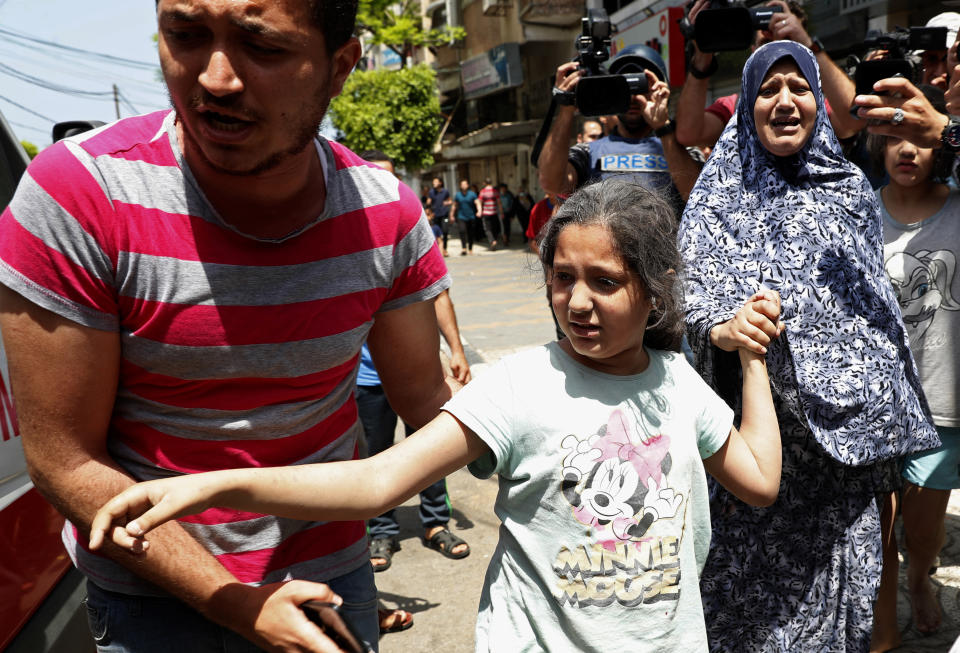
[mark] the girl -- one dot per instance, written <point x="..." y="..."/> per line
<point x="778" y="206"/>
<point x="597" y="440"/>
<point x="921" y="235"/>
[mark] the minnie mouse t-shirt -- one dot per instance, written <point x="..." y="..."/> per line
<point x="602" y="499"/>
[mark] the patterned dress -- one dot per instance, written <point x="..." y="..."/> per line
<point x="802" y="574"/>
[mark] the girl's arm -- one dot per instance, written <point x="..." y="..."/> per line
<point x="748" y="464"/>
<point x="353" y="489"/>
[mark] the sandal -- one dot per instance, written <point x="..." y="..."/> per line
<point x="393" y="621"/>
<point x="445" y="542"/>
<point x="383" y="548"/>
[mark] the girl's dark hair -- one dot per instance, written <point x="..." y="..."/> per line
<point x="644" y="228"/>
<point x="942" y="158"/>
<point x="337" y="19"/>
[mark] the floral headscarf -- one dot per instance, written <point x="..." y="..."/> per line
<point x="808" y="226"/>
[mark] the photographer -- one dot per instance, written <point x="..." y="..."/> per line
<point x="702" y="127"/>
<point x="898" y="108"/>
<point x="642" y="144"/>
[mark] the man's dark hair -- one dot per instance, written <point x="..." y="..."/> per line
<point x="337" y="19"/>
<point x="375" y="155"/>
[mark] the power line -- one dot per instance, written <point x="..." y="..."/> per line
<point x="50" y="86"/>
<point x="133" y="63"/>
<point x="28" y="110"/>
<point x="45" y="132"/>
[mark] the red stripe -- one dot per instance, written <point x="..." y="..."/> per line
<point x="189" y="456"/>
<point x="232" y="394"/>
<point x="217" y="326"/>
<point x="158" y="233"/>
<point x="50" y="269"/>
<point x="319" y="541"/>
<point x="33" y="560"/>
<point x="117" y="138"/>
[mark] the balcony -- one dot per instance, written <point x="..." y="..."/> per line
<point x="561" y="13"/>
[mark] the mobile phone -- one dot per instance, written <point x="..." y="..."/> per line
<point x="335" y="625"/>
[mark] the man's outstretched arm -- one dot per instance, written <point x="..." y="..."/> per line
<point x="64" y="378"/>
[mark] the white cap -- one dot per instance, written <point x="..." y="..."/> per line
<point x="950" y="20"/>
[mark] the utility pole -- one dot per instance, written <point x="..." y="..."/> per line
<point x="116" y="100"/>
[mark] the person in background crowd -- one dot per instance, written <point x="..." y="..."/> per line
<point x="921" y="233"/>
<point x="934" y="62"/>
<point x="539" y="216"/>
<point x="642" y="147"/>
<point x="590" y="131"/>
<point x="491" y="211"/>
<point x="466" y="212"/>
<point x="440" y="202"/>
<point x="802" y="574"/>
<point x="697" y="126"/>
<point x="508" y="209"/>
<point x="182" y="293"/>
<point x="524" y="203"/>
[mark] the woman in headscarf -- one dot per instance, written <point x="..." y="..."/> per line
<point x="778" y="206"/>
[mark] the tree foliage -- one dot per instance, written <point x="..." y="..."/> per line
<point x="396" y="112"/>
<point x="30" y="148"/>
<point x="398" y="26"/>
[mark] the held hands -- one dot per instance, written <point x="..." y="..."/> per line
<point x="754" y="326"/>
<point x="130" y="515"/>
<point x="922" y="124"/>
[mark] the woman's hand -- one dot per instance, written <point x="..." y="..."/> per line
<point x="754" y="326"/>
<point x="127" y="517"/>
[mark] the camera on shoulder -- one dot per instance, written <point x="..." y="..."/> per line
<point x="607" y="89"/>
<point x="727" y="25"/>
<point x="899" y="60"/>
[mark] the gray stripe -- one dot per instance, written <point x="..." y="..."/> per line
<point x="413" y="246"/>
<point x="55" y="303"/>
<point x="260" y="423"/>
<point x="429" y="292"/>
<point x="270" y="360"/>
<point x="351" y="188"/>
<point x="43" y="217"/>
<point x="327" y="568"/>
<point x="175" y="281"/>
<point x="243" y="536"/>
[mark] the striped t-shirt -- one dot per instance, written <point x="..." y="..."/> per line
<point x="236" y="351"/>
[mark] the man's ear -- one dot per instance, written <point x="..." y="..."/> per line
<point x="342" y="64"/>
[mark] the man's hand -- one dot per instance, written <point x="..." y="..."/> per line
<point x="922" y="124"/>
<point x="656" y="112"/>
<point x="460" y="368"/>
<point x="754" y="326"/>
<point x="785" y="26"/>
<point x="271" y="617"/>
<point x="568" y="76"/>
<point x="952" y="94"/>
<point x="701" y="60"/>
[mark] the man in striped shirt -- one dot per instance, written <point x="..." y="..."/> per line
<point x="188" y="291"/>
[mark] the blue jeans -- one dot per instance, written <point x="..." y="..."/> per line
<point x="124" y="623"/>
<point x="379" y="422"/>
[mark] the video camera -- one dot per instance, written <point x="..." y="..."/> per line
<point x="727" y="25"/>
<point x="600" y="93"/>
<point x="899" y="61"/>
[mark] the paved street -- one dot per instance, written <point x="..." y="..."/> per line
<point x="501" y="307"/>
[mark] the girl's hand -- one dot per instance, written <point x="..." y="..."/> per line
<point x="754" y="326"/>
<point x="130" y="515"/>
